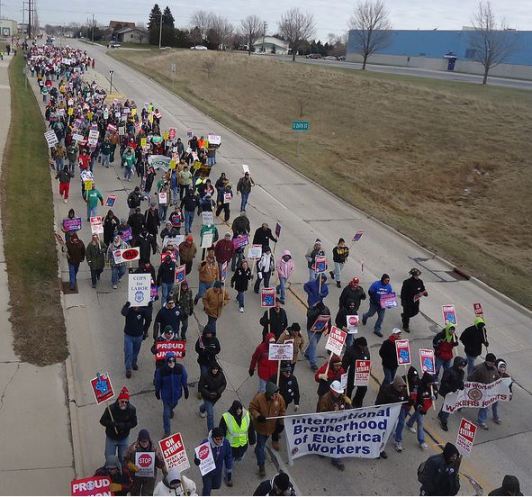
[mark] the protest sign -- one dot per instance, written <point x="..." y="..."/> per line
<point x="228" y="196"/>
<point x="172" y="133"/>
<point x="449" y="314"/>
<point x="206" y="240"/>
<point x="245" y="168"/>
<point x="180" y="274"/>
<point x="189" y="133"/>
<point x="204" y="454"/>
<point x="126" y="255"/>
<point x="351" y="433"/>
<point x="207" y="217"/>
<point x="402" y="350"/>
<point x="173" y="240"/>
<point x="102" y="387"/>
<point x="159" y="161"/>
<point x="214" y="139"/>
<point x="77" y="137"/>
<point x="178" y="347"/>
<point x="358" y="236"/>
<point x="426" y="361"/>
<point x="163" y="198"/>
<point x="267" y="297"/>
<point x="277" y="230"/>
<point x="87" y="184"/>
<point x="121" y="130"/>
<point x="73" y="224"/>
<point x="336" y="340"/>
<point x="51" y="138"/>
<point x="139" y="289"/>
<point x="223" y="271"/>
<point x="144" y="143"/>
<point x="281" y="351"/>
<point x="320" y="265"/>
<point x="240" y="241"/>
<point x="93" y="137"/>
<point x="352" y="321"/>
<point x="343" y="381"/>
<point x="362" y="372"/>
<point x="110" y="200"/>
<point x="477" y="308"/>
<point x="255" y="251"/>
<point x="174" y="453"/>
<point x="477" y="395"/>
<point x="320" y="324"/>
<point x="94" y="485"/>
<point x="96" y="225"/>
<point x="166" y="135"/>
<point x="126" y="234"/>
<point x="388" y="301"/>
<point x="466" y="437"/>
<point x="145" y="461"/>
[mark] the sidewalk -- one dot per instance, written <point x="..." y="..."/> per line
<point x="36" y="456"/>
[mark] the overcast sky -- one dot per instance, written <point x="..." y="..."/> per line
<point x="330" y="16"/>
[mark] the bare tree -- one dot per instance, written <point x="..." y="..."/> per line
<point x="370" y="27"/>
<point x="223" y="30"/>
<point x="296" y="27"/>
<point x="251" y="28"/>
<point x="201" y="20"/>
<point x="491" y="43"/>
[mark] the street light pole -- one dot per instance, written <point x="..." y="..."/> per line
<point x="160" y="30"/>
<point x="111" y="86"/>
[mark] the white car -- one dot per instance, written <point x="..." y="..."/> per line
<point x="198" y="47"/>
<point x="113" y="44"/>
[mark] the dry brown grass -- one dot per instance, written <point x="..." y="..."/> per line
<point x="445" y="163"/>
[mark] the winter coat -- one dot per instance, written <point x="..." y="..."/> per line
<point x="263" y="236"/>
<point x="483" y="374"/>
<point x="266" y="263"/>
<point x="266" y="367"/>
<point x="166" y="317"/>
<point x="298" y="341"/>
<point x="389" y="393"/>
<point x="152" y="221"/>
<point x="212" y="386"/>
<point x="152" y="447"/>
<point x="473" y="338"/>
<point x="240" y="226"/>
<point x="411" y="287"/>
<point x="377" y="290"/>
<point x="124" y="421"/>
<point x="95" y="255"/>
<point x="136" y="221"/>
<point x="311" y="255"/>
<point x="340" y="254"/>
<point x="261" y="406"/>
<point x="185" y="302"/>
<point x="207" y="349"/>
<point x="166" y="273"/>
<point x="222" y="454"/>
<point x="240" y="279"/>
<point x="170" y="383"/>
<point x="443" y="344"/>
<point x="110" y="257"/>
<point x="353" y="354"/>
<point x="355" y="295"/>
<point x="285" y="268"/>
<point x="328" y="402"/>
<point x="224" y="251"/>
<point x="208" y="271"/>
<point x="214" y="301"/>
<point x="138" y="320"/>
<point x="452" y="380"/>
<point x="274" y="321"/>
<point x="510" y="486"/>
<point x="187" y="252"/>
<point x="314" y="312"/>
<point x="288" y="388"/>
<point x="75" y="251"/>
<point x="64" y="176"/>
<point x="146" y="244"/>
<point x="266" y="487"/>
<point x="189" y="203"/>
<point x="441" y="478"/>
<point x="244" y="185"/>
<point x="388" y="354"/>
<point x="314" y="294"/>
<point x="110" y="224"/>
<point x="332" y="375"/>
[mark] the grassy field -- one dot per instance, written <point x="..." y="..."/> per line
<point x="27" y="221"/>
<point x="446" y="163"/>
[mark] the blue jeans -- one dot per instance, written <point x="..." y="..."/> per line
<point x="444" y="416"/>
<point x="111" y="446"/>
<point x="59" y="163"/>
<point x="417" y="417"/>
<point x="208" y="407"/>
<point x="163" y="208"/>
<point x="262" y="385"/>
<point x="440" y="363"/>
<point x="374" y="308"/>
<point x="211" y="324"/>
<point x="281" y="288"/>
<point x="210" y="161"/>
<point x="91" y="211"/>
<point x="203" y="287"/>
<point x="128" y="172"/>
<point x="72" y="273"/>
<point x="311" y="274"/>
<point x="167" y="411"/>
<point x="240" y="299"/>
<point x="338" y="266"/>
<point x="189" y="217"/>
<point x="259" y="449"/>
<point x="470" y="364"/>
<point x="244" y="201"/>
<point x="116" y="273"/>
<point x="131" y="350"/>
<point x="105" y="160"/>
<point x="389" y="375"/>
<point x="166" y="291"/>
<point x="400" y="425"/>
<point x="313" y="340"/>
<point x="211" y="481"/>
<point x="482" y="415"/>
<point x="495" y="411"/>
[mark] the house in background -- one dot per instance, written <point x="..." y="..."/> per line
<point x="132" y="35"/>
<point x="8" y="28"/>
<point x="270" y="44"/>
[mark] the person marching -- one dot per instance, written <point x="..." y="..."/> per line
<point x="240" y="282"/>
<point x="340" y="255"/>
<point x="211" y="386"/>
<point x="411" y="291"/>
<point x="376" y="291"/>
<point x="285" y="267"/>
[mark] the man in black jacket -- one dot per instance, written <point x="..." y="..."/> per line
<point x="473" y="338"/>
<point x="411" y="291"/>
<point x="352" y="292"/>
<point x="145" y="241"/>
<point x="357" y="352"/>
<point x="389" y="356"/>
<point x="207" y="347"/>
<point x="152" y="220"/>
<point x="212" y="384"/>
<point x="280" y="484"/>
<point x="119" y="419"/>
<point x="136" y="221"/>
<point x="263" y="235"/>
<point x="288" y="385"/>
<point x="438" y="475"/>
<point x="168" y="315"/>
<point x="320" y="309"/>
<point x="138" y="320"/>
<point x="134" y="199"/>
<point x="274" y="320"/>
<point x="166" y="278"/>
<point x="451" y="381"/>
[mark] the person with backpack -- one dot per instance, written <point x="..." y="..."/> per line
<point x="439" y="474"/>
<point x="443" y="344"/>
<point x="451" y="381"/>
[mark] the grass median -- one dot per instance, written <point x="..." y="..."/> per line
<point x="27" y="223"/>
<point x="445" y="163"/>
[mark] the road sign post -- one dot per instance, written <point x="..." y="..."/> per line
<point x="300" y="126"/>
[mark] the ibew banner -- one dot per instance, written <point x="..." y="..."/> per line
<point x="352" y="433"/>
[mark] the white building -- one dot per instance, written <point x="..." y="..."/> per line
<point x="270" y="44"/>
<point x="8" y="28"/>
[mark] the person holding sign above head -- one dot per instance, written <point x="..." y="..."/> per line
<point x="174" y="483"/>
<point x="376" y="291"/>
<point x="143" y="485"/>
<point x="240" y="281"/>
<point x="411" y="292"/>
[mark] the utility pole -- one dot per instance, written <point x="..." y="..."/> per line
<point x="264" y="27"/>
<point x="1" y="9"/>
<point x="93" y="28"/>
<point x="29" y="18"/>
<point x="160" y="30"/>
<point x="111" y="86"/>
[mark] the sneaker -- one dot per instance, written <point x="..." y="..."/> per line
<point x="115" y="287"/>
<point x="172" y="414"/>
<point x="128" y="373"/>
<point x="338" y="284"/>
<point x="241" y="309"/>
<point x="423" y="446"/>
<point x="443" y="424"/>
<point x="383" y="455"/>
<point x="398" y="446"/>
<point x="364" y="321"/>
<point x="411" y="429"/>
<point x="484" y="426"/>
<point x="229" y="482"/>
<point x="314" y="367"/>
<point x="135" y="367"/>
<point x="202" y="414"/>
<point x="65" y="201"/>
<point x="262" y="471"/>
<point x="406" y="328"/>
<point x="378" y="333"/>
<point x="497" y="421"/>
<point x="332" y="274"/>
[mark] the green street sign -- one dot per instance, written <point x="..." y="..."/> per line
<point x="300" y="125"/>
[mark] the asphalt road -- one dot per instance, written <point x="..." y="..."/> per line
<point x="306" y="212"/>
<point x="415" y="71"/>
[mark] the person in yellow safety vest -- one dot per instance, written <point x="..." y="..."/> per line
<point x="237" y="427"/>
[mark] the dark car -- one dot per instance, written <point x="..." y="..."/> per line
<point x="313" y="56"/>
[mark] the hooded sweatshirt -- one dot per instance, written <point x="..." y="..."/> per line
<point x="266" y="367"/>
<point x="187" y="486"/>
<point x="474" y="337"/>
<point x="444" y="342"/>
<point x="285" y="267"/>
<point x="510" y="486"/>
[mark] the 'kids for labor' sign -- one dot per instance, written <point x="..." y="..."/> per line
<point x="466" y="437"/>
<point x="174" y="453"/>
<point x="94" y="485"/>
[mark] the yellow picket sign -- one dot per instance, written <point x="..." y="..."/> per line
<point x="133" y="111"/>
<point x="172" y="164"/>
<point x="88" y="184"/>
<point x="166" y="135"/>
<point x="70" y="111"/>
<point x="150" y="118"/>
<point x="143" y="142"/>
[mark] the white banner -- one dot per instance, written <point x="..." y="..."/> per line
<point x="353" y="433"/>
<point x="159" y="162"/>
<point x="476" y="395"/>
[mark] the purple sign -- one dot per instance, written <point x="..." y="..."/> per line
<point x="126" y="235"/>
<point x="240" y="241"/>
<point x="73" y="224"/>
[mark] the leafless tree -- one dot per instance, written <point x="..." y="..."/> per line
<point x="223" y="30"/>
<point x="296" y="27"/>
<point x="208" y="67"/>
<point x="251" y="28"/>
<point x="491" y="43"/>
<point x="202" y="20"/>
<point x="370" y="27"/>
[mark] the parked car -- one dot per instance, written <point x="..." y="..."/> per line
<point x="313" y="56"/>
<point x="330" y="57"/>
<point x="342" y="57"/>
<point x="114" y="44"/>
<point x="198" y="47"/>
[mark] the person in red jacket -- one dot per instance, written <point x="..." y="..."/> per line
<point x="443" y="344"/>
<point x="330" y="371"/>
<point x="259" y="359"/>
<point x="224" y="250"/>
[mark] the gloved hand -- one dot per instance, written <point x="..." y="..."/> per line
<point x="115" y="487"/>
<point x="487" y="344"/>
<point x="132" y="467"/>
<point x="280" y="427"/>
<point x="158" y="395"/>
<point x="251" y="372"/>
<point x="186" y="393"/>
<point x="296" y="407"/>
<point x="144" y="336"/>
<point x="196" y="461"/>
<point x="261" y="418"/>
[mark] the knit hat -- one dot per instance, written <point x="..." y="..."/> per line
<point x="318" y="241"/>
<point x="361" y="342"/>
<point x="355" y="281"/>
<point x="217" y="284"/>
<point x="271" y="388"/>
<point x="490" y="357"/>
<point x="189" y="238"/>
<point x="217" y="432"/>
<point x="295" y="327"/>
<point x="168" y="330"/>
<point x="448" y="451"/>
<point x="124" y="394"/>
<point x="282" y="482"/>
<point x="144" y="436"/>
<point x="415" y="271"/>
<point x="336" y="359"/>
<point x="501" y="364"/>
